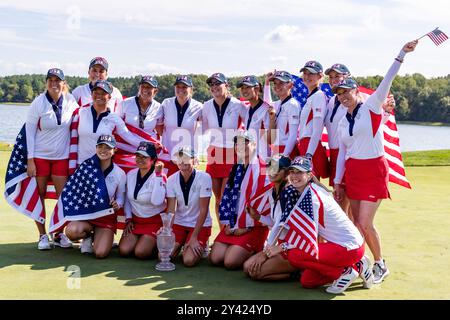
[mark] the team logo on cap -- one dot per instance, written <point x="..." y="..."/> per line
<point x="247" y="79"/>
<point x="106" y="138"/>
<point x="147" y="78"/>
<point x="57" y="71"/>
<point x="217" y="75"/>
<point x="311" y="64"/>
<point x="184" y="78"/>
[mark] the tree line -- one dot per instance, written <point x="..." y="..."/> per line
<point x="417" y="98"/>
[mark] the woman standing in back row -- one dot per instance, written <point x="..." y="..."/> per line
<point x="361" y="156"/>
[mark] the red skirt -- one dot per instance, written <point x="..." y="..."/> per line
<point x="280" y="149"/>
<point x="367" y="179"/>
<point x="252" y="241"/>
<point x="320" y="160"/>
<point x="148" y="226"/>
<point x="219" y="161"/>
<point x="107" y="222"/>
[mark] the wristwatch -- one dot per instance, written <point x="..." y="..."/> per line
<point x="309" y="155"/>
<point x="284" y="246"/>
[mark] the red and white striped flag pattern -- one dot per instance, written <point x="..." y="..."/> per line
<point x="437" y="36"/>
<point x="302" y="225"/>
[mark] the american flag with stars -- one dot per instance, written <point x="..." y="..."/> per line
<point x="288" y="200"/>
<point x="437" y="36"/>
<point x="21" y="191"/>
<point x="302" y="226"/>
<point x="84" y="197"/>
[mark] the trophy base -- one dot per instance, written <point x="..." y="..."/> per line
<point x="165" y="266"/>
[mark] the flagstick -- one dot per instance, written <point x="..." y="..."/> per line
<point x="278" y="235"/>
<point x="426" y="34"/>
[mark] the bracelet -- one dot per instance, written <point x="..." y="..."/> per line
<point x="399" y="60"/>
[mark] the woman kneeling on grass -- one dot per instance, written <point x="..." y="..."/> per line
<point x="260" y="266"/>
<point x="146" y="195"/>
<point x="101" y="230"/>
<point x="316" y="214"/>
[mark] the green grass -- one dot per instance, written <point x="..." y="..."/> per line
<point x="426" y="158"/>
<point x="414" y="227"/>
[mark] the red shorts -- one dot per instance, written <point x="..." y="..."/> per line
<point x="252" y="241"/>
<point x="280" y="149"/>
<point x="367" y="179"/>
<point x="45" y="167"/>
<point x="320" y="160"/>
<point x="107" y="222"/>
<point x="183" y="234"/>
<point x="148" y="226"/>
<point x="219" y="161"/>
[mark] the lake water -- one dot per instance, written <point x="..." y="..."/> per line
<point x="412" y="137"/>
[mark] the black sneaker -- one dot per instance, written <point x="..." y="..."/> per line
<point x="379" y="272"/>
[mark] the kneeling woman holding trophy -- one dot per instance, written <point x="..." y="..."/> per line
<point x="188" y="195"/>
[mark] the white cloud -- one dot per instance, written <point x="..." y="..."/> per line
<point x="284" y="33"/>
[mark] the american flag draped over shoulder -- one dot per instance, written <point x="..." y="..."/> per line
<point x="391" y="139"/>
<point x="21" y="191"/>
<point x="84" y="197"/>
<point x="303" y="223"/>
<point x="252" y="191"/>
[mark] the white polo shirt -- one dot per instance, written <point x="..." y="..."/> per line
<point x="83" y="96"/>
<point x="187" y="215"/>
<point x="116" y="185"/>
<point x="128" y="110"/>
<point x="335" y="112"/>
<point x="254" y="124"/>
<point x="315" y="107"/>
<point x="175" y="136"/>
<point x="45" y="138"/>
<point x="222" y="136"/>
<point x="288" y="119"/>
<point x="87" y="137"/>
<point x="150" y="199"/>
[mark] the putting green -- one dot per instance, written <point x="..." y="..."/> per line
<point x="414" y="227"/>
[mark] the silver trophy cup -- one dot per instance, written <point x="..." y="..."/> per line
<point x="165" y="241"/>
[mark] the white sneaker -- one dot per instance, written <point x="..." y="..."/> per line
<point x="379" y="272"/>
<point x="344" y="281"/>
<point x="365" y="272"/>
<point x="61" y="240"/>
<point x="86" y="245"/>
<point x="44" y="243"/>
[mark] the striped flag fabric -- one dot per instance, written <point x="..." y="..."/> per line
<point x="391" y="140"/>
<point x="253" y="190"/>
<point x="437" y="36"/>
<point x="84" y="197"/>
<point x="21" y="191"/>
<point x="302" y="225"/>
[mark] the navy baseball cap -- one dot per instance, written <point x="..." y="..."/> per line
<point x="151" y="80"/>
<point x="282" y="76"/>
<point x="220" y="77"/>
<point x="347" y="83"/>
<point x="244" y="135"/>
<point x="312" y="66"/>
<point x="147" y="149"/>
<point x="339" y="68"/>
<point x="104" y="85"/>
<point x="107" y="139"/>
<point x="99" y="61"/>
<point x="301" y="163"/>
<point x="185" y="79"/>
<point x="55" y="72"/>
<point x="185" y="151"/>
<point x="278" y="162"/>
<point x="250" y="81"/>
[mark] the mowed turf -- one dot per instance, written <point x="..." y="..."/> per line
<point x="414" y="227"/>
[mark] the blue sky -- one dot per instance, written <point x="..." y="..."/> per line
<point x="233" y="37"/>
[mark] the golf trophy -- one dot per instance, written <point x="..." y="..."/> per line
<point x="165" y="241"/>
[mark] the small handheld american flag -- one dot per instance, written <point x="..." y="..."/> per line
<point x="437" y="36"/>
